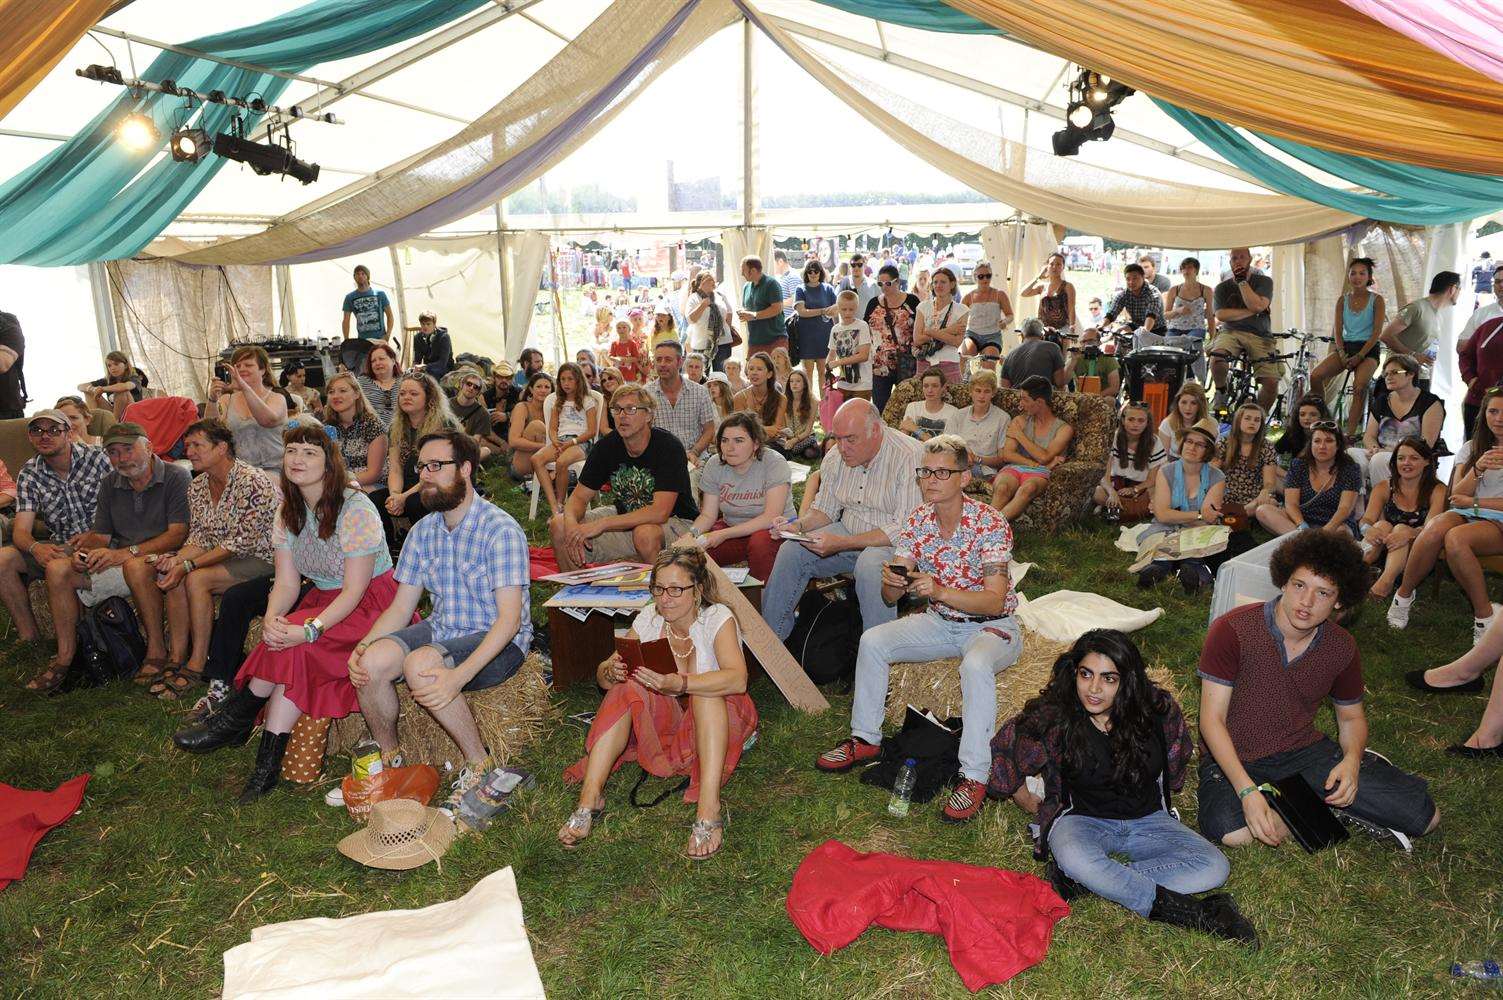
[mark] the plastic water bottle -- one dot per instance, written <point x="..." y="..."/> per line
<point x="1485" y="971"/>
<point x="902" y="789"/>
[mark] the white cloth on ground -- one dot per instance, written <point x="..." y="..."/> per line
<point x="394" y="953"/>
<point x="1066" y="615"/>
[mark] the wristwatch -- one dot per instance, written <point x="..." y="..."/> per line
<point x="134" y="550"/>
<point x="312" y="629"/>
<point x="188" y="566"/>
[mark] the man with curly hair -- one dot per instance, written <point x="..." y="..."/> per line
<point x="1265" y="669"/>
<point x="645" y="471"/>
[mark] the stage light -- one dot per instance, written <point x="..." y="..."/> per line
<point x="138" y="133"/>
<point x="265" y="158"/>
<point x="102" y="74"/>
<point x="1079" y="116"/>
<point x="189" y="145"/>
<point x="1088" y="116"/>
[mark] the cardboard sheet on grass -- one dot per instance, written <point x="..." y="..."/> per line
<point x="473" y="946"/>
<point x="1157" y="541"/>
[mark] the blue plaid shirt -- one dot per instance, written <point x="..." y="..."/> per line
<point x="461" y="569"/>
<point x="67" y="505"/>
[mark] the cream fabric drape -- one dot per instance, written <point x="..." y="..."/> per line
<point x="736" y="244"/>
<point x="1083" y="196"/>
<point x="1446" y="250"/>
<point x="589" y="65"/>
<point x="522" y="264"/>
<point x="173" y="319"/>
<point x="1017" y="250"/>
<point x="1289" y="274"/>
<point x="461" y="286"/>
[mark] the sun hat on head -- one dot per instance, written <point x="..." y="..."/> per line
<point x="56" y="416"/>
<point x="402" y="834"/>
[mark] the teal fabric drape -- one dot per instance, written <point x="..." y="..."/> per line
<point x="91" y="199"/>
<point x="1410" y="195"/>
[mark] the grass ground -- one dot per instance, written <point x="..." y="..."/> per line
<point x="142" y="892"/>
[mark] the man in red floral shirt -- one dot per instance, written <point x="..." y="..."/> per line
<point x="954" y="551"/>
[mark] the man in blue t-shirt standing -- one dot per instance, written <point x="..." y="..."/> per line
<point x="369" y="306"/>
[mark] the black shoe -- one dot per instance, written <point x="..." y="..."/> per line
<point x="1152" y="575"/>
<point x="268" y="766"/>
<point x="1416" y="679"/>
<point x="1215" y="915"/>
<point x="1064" y="886"/>
<point x="230" y="724"/>
<point x="1475" y="753"/>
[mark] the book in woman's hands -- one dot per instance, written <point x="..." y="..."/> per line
<point x="654" y="655"/>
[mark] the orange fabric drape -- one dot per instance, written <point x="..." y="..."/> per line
<point x="1318" y="72"/>
<point x="34" y="35"/>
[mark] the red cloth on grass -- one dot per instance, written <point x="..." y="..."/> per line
<point x="542" y="561"/>
<point x="164" y="419"/>
<point x="25" y="817"/>
<point x="996" y="923"/>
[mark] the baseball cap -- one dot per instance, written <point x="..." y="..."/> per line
<point x="125" y="431"/>
<point x="56" y="416"/>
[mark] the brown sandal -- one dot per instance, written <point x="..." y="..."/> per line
<point x="151" y="671"/>
<point x="49" y="680"/>
<point x="176" y="682"/>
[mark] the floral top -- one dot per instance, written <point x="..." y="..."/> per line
<point x="1244" y="481"/>
<point x="892" y="331"/>
<point x="355" y="441"/>
<point x="241" y="521"/>
<point x="357" y="532"/>
<point x="980" y="546"/>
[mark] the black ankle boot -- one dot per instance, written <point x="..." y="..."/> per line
<point x="1215" y="915"/>
<point x="229" y="725"/>
<point x="268" y="766"/>
<point x="1064" y="886"/>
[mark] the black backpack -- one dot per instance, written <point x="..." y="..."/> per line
<point x="826" y="636"/>
<point x="110" y="645"/>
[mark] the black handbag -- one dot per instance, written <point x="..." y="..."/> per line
<point x="110" y="645"/>
<point x="826" y="636"/>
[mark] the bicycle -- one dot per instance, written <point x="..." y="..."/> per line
<point x="1241" y="381"/>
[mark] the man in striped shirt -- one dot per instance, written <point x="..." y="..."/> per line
<point x="863" y="502"/>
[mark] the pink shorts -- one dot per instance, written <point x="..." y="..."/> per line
<point x="1023" y="473"/>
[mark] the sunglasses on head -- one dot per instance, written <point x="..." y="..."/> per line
<point x="1323" y="425"/>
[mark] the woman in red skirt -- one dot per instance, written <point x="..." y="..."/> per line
<point x="329" y="532"/>
<point x="692" y="722"/>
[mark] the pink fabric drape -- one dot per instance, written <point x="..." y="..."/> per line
<point x="1470" y="33"/>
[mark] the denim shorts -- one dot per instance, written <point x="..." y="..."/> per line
<point x="455" y="651"/>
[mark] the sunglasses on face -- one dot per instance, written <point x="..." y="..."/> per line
<point x="982" y="277"/>
<point x="49" y="430"/>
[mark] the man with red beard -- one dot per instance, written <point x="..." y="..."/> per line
<point x="471" y="558"/>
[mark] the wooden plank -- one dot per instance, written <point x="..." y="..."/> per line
<point x="769" y="650"/>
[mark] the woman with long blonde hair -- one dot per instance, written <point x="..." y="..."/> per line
<point x="1190" y="408"/>
<point x="422" y="408"/>
<point x="362" y="438"/>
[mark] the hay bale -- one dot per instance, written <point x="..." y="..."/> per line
<point x="935" y="685"/>
<point x="510" y="717"/>
<point x="41" y="610"/>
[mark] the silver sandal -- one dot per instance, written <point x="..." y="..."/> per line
<point x="701" y="832"/>
<point x="582" y="822"/>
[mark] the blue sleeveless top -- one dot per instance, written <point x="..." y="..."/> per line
<point x="1356" y="327"/>
<point x="1209" y="476"/>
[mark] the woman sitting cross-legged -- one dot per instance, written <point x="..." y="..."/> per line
<point x="1398" y="509"/>
<point x="1467" y="531"/>
<point x="573" y="427"/>
<point x="744" y="487"/>
<point x="1111" y="747"/>
<point x="328" y="531"/>
<point x="1187" y="494"/>
<point x="798" y="440"/>
<point x="1404" y="411"/>
<point x="1137" y="454"/>
<point x="1248" y="462"/>
<point x="643" y="718"/>
<point x="1035" y="446"/>
<point x="1322" y="490"/>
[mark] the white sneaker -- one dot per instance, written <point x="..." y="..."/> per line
<point x="1480" y="626"/>
<point x="335" y="796"/>
<point x="1398" y="610"/>
<point x="468" y="777"/>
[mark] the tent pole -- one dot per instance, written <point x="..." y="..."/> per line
<point x="501" y="272"/>
<point x="396" y="270"/>
<point x="282" y="275"/>
<point x="748" y="126"/>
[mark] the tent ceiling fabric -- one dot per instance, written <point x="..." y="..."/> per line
<point x="1470" y="33"/>
<point x="36" y="37"/>
<point x="1320" y="74"/>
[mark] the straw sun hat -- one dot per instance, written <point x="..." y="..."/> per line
<point x="402" y="834"/>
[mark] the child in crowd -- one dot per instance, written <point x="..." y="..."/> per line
<point x="849" y="360"/>
<point x="927" y="417"/>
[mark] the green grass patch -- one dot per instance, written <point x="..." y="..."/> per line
<point x="161" y="872"/>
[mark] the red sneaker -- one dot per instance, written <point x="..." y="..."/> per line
<point x="965" y="802"/>
<point x="847" y="755"/>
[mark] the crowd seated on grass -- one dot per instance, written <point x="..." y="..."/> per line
<point x="335" y="519"/>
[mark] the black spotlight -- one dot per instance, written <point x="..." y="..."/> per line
<point x="189" y="145"/>
<point x="1088" y="118"/>
<point x="102" y="74"/>
<point x="265" y="158"/>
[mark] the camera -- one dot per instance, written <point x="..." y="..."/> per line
<point x="1090" y="351"/>
<point x="222" y="371"/>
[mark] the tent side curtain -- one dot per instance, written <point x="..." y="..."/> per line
<point x="549" y="116"/>
<point x="1319" y="74"/>
<point x="1471" y="33"/>
<point x="1066" y="191"/>
<point x="1408" y="194"/>
<point x="91" y="198"/>
<point x="36" y="37"/>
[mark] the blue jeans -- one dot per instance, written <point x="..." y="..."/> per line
<point x="985" y="648"/>
<point x="456" y="651"/>
<point x="1160" y="851"/>
<point x="796" y="566"/>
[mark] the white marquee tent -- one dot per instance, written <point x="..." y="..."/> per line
<point x="766" y="103"/>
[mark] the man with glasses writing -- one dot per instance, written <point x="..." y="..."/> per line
<point x="953" y="550"/>
<point x="60" y="484"/>
<point x="647" y="472"/>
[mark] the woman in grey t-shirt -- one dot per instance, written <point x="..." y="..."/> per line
<point x="743" y="489"/>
